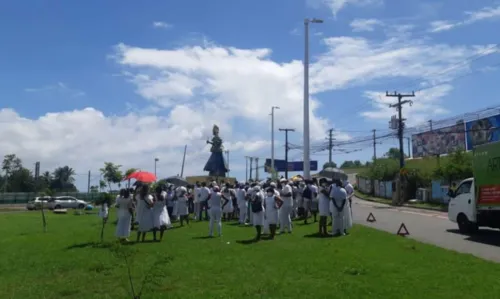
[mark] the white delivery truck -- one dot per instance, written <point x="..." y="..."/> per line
<point x="476" y="201"/>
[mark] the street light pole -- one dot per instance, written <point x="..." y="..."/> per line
<point x="156" y="161"/>
<point x="307" y="158"/>
<point x="272" y="136"/>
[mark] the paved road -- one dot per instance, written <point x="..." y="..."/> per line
<point x="431" y="227"/>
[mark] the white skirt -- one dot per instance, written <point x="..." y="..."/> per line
<point x="258" y="218"/>
<point x="228" y="208"/>
<point x="271" y="216"/>
<point x="147" y="220"/>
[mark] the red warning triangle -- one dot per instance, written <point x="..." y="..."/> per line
<point x="371" y="218"/>
<point x="403" y="231"/>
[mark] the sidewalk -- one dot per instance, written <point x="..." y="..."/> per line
<point x="421" y="206"/>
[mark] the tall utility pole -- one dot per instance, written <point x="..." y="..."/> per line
<point x="227" y="157"/>
<point x="330" y="145"/>
<point x="374" y="145"/>
<point x="183" y="160"/>
<point x="88" y="183"/>
<point x="430" y="124"/>
<point x="399" y="107"/>
<point x="408" y="139"/>
<point x="286" y="149"/>
<point x="256" y="168"/>
<point x="156" y="161"/>
<point x="251" y="166"/>
<point x="272" y="136"/>
<point x="246" y="168"/>
<point x="307" y="157"/>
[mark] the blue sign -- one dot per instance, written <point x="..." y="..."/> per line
<point x="280" y="165"/>
<point x="482" y="131"/>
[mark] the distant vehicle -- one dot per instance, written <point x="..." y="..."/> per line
<point x="36" y="203"/>
<point x="66" y="202"/>
<point x="476" y="201"/>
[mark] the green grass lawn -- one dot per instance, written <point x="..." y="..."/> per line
<point x="64" y="263"/>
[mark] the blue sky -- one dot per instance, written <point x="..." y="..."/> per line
<point x="124" y="81"/>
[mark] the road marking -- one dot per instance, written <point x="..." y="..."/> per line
<point x="406" y="211"/>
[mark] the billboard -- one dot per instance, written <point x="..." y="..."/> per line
<point x="280" y="165"/>
<point x="483" y="131"/>
<point x="439" y="142"/>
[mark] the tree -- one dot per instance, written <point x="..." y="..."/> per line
<point x="63" y="179"/>
<point x="112" y="174"/>
<point x="330" y="164"/>
<point x="457" y="167"/>
<point x="351" y="164"/>
<point x="393" y="153"/>
<point x="102" y="185"/>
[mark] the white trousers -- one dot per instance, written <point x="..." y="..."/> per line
<point x="215" y="218"/>
<point x="243" y="214"/>
<point x="338" y="224"/>
<point x="197" y="207"/>
<point x="285" y="219"/>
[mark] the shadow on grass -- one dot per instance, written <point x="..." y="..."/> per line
<point x="202" y="237"/>
<point x="247" y="242"/>
<point x="318" y="236"/>
<point x="484" y="236"/>
<point x="104" y="245"/>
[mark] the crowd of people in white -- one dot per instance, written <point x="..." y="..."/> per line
<point x="268" y="206"/>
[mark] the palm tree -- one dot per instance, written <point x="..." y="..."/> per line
<point x="63" y="178"/>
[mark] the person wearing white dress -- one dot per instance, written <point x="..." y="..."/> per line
<point x="339" y="198"/>
<point x="228" y="207"/>
<point x="216" y="203"/>
<point x="161" y="218"/>
<point x="299" y="199"/>
<point x="348" y="216"/>
<point x="257" y="208"/>
<point x="266" y="228"/>
<point x="146" y="222"/>
<point x="324" y="207"/>
<point x="182" y="204"/>
<point x="272" y="204"/>
<point x="125" y="210"/>
<point x="196" y="200"/>
<point x="242" y="204"/>
<point x="315" y="200"/>
<point x="285" y="211"/>
<point x="104" y="211"/>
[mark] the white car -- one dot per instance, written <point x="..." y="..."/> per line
<point x="66" y="202"/>
<point x="36" y="203"/>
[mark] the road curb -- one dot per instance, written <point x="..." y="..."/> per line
<point x="405" y="205"/>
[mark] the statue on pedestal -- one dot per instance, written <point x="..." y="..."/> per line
<point x="216" y="165"/>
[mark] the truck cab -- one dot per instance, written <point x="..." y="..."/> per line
<point x="462" y="206"/>
<point x="464" y="209"/>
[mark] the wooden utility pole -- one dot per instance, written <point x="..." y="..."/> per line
<point x="330" y="145"/>
<point x="246" y="168"/>
<point x="251" y="166"/>
<point x="256" y="168"/>
<point x="399" y="108"/>
<point x="374" y="146"/>
<point x="287" y="148"/>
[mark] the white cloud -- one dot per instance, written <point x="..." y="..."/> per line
<point x="337" y="5"/>
<point x="192" y="87"/>
<point x="84" y="139"/>
<point x="359" y="25"/>
<point x="162" y="25"/>
<point x="484" y="13"/>
<point x="59" y="87"/>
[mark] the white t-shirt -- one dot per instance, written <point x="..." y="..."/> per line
<point x="181" y="191"/>
<point x="215" y="201"/>
<point x="349" y="189"/>
<point x="338" y="194"/>
<point x="204" y="193"/>
<point x="287" y="200"/>
<point x="314" y="189"/>
<point x="240" y="196"/>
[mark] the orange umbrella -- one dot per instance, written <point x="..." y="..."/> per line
<point x="142" y="176"/>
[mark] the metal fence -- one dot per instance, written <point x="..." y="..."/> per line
<point x="22" y="198"/>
